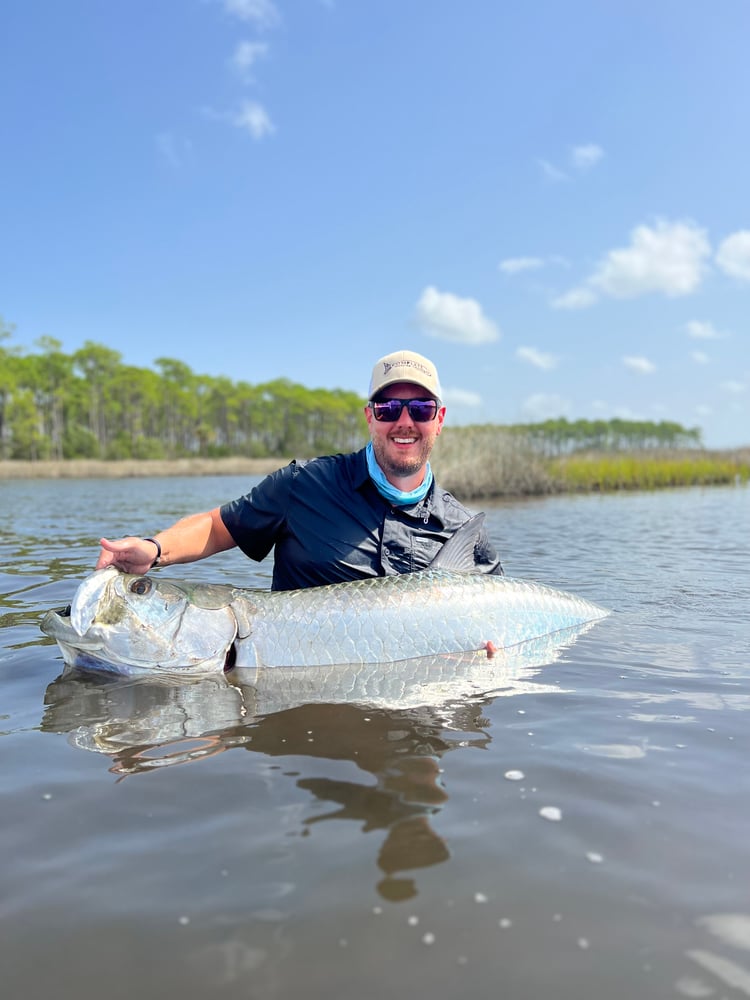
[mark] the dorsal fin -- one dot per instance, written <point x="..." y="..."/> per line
<point x="458" y="552"/>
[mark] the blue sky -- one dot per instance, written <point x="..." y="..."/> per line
<point x="551" y="199"/>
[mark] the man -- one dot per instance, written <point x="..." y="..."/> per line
<point x="375" y="512"/>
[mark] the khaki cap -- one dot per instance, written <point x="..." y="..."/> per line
<point x="405" y="366"/>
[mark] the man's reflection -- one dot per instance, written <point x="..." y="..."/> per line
<point x="143" y="725"/>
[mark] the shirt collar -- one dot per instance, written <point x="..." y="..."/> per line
<point x="433" y="505"/>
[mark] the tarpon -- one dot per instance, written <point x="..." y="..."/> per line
<point x="143" y="625"/>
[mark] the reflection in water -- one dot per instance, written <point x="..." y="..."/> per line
<point x="145" y="724"/>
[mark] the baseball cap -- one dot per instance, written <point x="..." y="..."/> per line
<point x="405" y="366"/>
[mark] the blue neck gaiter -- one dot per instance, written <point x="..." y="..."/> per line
<point x="388" y="490"/>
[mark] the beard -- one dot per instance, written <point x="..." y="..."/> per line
<point x="398" y="465"/>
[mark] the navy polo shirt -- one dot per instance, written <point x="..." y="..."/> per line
<point x="329" y="524"/>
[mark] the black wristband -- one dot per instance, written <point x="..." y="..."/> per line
<point x="158" y="552"/>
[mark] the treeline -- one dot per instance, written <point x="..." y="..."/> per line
<point x="554" y="438"/>
<point x="89" y="404"/>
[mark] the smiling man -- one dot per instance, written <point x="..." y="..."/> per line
<point x="374" y="512"/>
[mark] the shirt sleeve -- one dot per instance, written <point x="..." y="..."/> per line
<point x="257" y="520"/>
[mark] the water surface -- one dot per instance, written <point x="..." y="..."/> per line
<point x="582" y="833"/>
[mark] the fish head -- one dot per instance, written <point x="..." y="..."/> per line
<point x="130" y="624"/>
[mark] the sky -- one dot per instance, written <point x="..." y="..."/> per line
<point x="549" y="199"/>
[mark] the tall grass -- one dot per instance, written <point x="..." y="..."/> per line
<point x="475" y="463"/>
<point x="646" y="471"/>
<point x="485" y="461"/>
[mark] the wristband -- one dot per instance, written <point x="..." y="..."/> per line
<point x="158" y="552"/>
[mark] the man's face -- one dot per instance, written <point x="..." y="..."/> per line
<point x="402" y="448"/>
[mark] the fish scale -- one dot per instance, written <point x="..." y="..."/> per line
<point x="401" y="617"/>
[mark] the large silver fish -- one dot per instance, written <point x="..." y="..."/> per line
<point x="141" y="624"/>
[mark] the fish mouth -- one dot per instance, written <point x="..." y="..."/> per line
<point x="57" y="625"/>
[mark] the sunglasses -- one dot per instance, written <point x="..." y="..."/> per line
<point x="388" y="411"/>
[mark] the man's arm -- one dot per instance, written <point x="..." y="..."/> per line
<point x="194" y="537"/>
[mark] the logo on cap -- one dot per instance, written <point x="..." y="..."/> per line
<point x="407" y="364"/>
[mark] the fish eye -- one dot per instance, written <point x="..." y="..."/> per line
<point x="141" y="586"/>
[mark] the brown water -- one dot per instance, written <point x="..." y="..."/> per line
<point x="582" y="834"/>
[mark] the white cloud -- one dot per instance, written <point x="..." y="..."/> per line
<point x="733" y="387"/>
<point x="263" y="13"/>
<point x="626" y="413"/>
<point x="639" y="364"/>
<point x="449" y="317"/>
<point x="699" y="330"/>
<point x="514" y="265"/>
<point x="173" y="149"/>
<point x="733" y="255"/>
<point x="245" y="56"/>
<point x="537" y="358"/>
<point x="254" y="118"/>
<point x="585" y="157"/>
<point x="461" y="397"/>
<point x="667" y="257"/>
<point x="699" y="357"/>
<point x="543" y="406"/>
<point x="576" y="298"/>
<point x="551" y="172"/>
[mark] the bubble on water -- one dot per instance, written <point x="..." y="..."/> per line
<point x="505" y="922"/>
<point x="462" y="960"/>
<point x="732" y="928"/>
<point x="428" y="938"/>
<point x="479" y="897"/>
<point x="616" y="751"/>
<point x="413" y="920"/>
<point x="594" y="857"/>
<point x="557" y="917"/>
<point x="514" y="775"/>
<point x="730" y="972"/>
<point x="47" y="796"/>
<point x="377" y="910"/>
<point x="690" y="987"/>
<point x="551" y="813"/>
<point x="583" y="943"/>
<point x="184" y="921"/>
<point x="343" y="943"/>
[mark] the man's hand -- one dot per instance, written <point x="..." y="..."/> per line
<point x="131" y="555"/>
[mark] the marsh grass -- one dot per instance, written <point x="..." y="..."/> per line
<point x="605" y="472"/>
<point x="475" y="463"/>
<point x="133" y="468"/>
<point x="483" y="462"/>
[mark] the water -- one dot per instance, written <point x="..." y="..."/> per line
<point x="582" y="834"/>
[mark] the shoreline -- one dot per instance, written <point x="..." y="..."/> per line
<point x="80" y="468"/>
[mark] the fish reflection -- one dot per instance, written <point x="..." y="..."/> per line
<point x="143" y="724"/>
